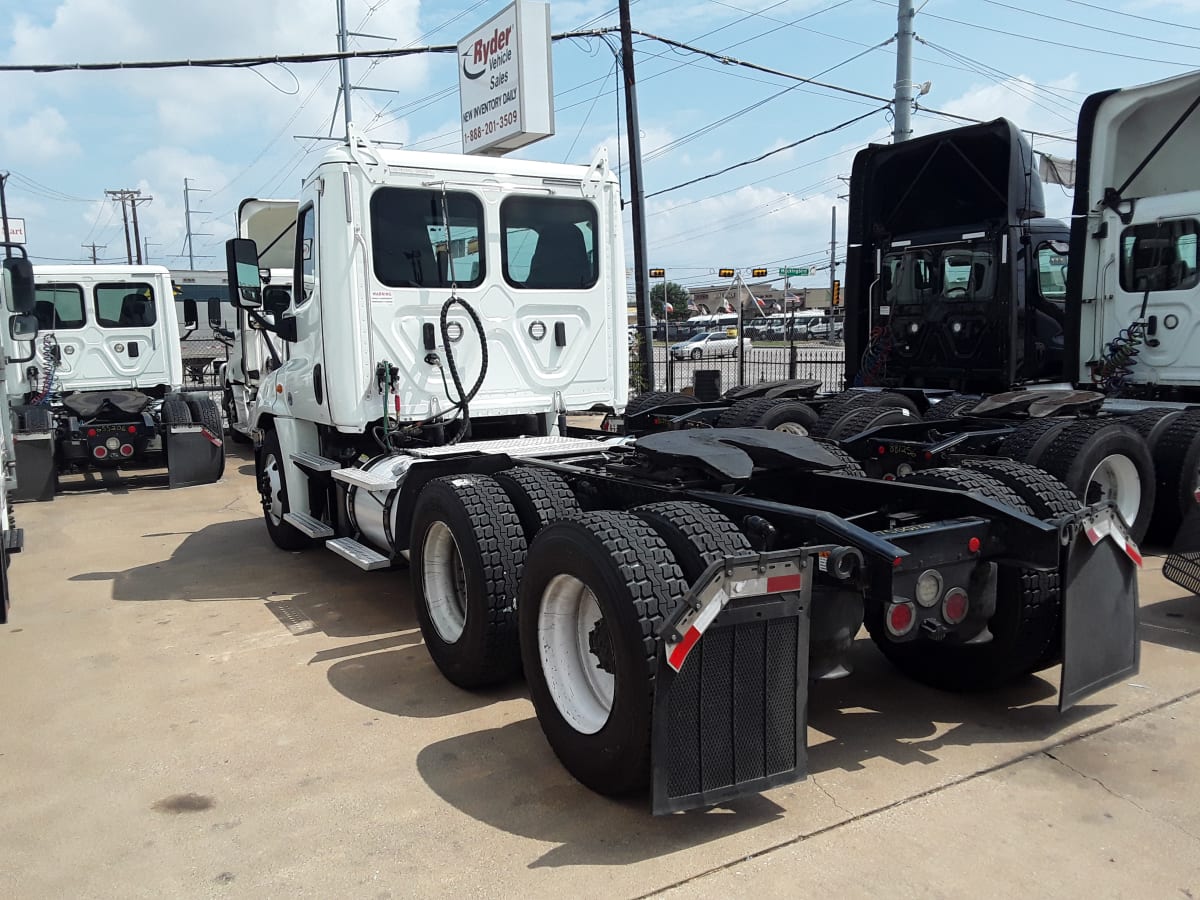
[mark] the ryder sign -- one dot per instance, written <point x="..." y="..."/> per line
<point x="504" y="80"/>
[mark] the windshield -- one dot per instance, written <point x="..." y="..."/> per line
<point x="955" y="272"/>
<point x="1052" y="270"/>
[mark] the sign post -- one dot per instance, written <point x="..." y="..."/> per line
<point x="505" y="81"/>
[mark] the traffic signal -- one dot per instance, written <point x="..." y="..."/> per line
<point x="837" y="293"/>
<point x="658" y="273"/>
<point x="758" y="273"/>
<point x="725" y="273"/>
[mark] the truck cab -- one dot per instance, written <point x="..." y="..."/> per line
<point x="531" y="254"/>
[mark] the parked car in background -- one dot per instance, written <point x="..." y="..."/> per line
<point x="710" y="344"/>
<point x="825" y="328"/>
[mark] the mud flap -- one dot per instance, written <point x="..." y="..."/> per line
<point x="733" y="720"/>
<point x="194" y="456"/>
<point x="1100" y="612"/>
<point x="36" y="468"/>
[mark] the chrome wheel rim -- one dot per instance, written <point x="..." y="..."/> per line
<point x="445" y="581"/>
<point x="792" y="428"/>
<point x="576" y="654"/>
<point x="272" y="489"/>
<point x="1116" y="478"/>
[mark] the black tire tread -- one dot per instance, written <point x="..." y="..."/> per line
<point x="856" y="421"/>
<point x="207" y="413"/>
<point x="834" y="408"/>
<point x="850" y="466"/>
<point x="1046" y="496"/>
<point x="655" y="398"/>
<point x="539" y="496"/>
<point x="951" y="407"/>
<point x="1020" y="443"/>
<point x="175" y="412"/>
<point x="1170" y="455"/>
<point x="502" y="553"/>
<point x="709" y="534"/>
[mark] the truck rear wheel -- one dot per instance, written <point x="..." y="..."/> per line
<point x="540" y="497"/>
<point x="1101" y="459"/>
<point x="205" y="412"/>
<point x="856" y="421"/>
<point x="791" y="416"/>
<point x="1024" y="626"/>
<point x="837" y="406"/>
<point x="952" y="407"/>
<point x="656" y="398"/>
<point x="467" y="553"/>
<point x="272" y="491"/>
<point x="697" y="535"/>
<point x="1046" y="496"/>
<point x="1177" y="472"/>
<point x="594" y="591"/>
<point x="175" y="412"/>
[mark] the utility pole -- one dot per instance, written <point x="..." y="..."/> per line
<point x="146" y="245"/>
<point x="121" y="197"/>
<point x="187" y="215"/>
<point x="832" y="257"/>
<point x="4" y="213"/>
<point x="137" y="237"/>
<point x="94" y="247"/>
<point x="641" y="289"/>
<point x="902" y="105"/>
<point x="345" y="64"/>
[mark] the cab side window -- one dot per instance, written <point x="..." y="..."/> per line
<point x="58" y="306"/>
<point x="306" y="255"/>
<point x="1160" y="256"/>
<point x="125" y="305"/>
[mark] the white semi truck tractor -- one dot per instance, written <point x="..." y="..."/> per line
<point x="667" y="599"/>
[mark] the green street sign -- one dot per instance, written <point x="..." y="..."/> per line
<point x="795" y="271"/>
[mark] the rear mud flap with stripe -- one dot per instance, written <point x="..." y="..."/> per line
<point x="733" y="720"/>
<point x="194" y="456"/>
<point x="1100" y="618"/>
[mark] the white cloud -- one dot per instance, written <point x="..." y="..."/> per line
<point x="42" y="136"/>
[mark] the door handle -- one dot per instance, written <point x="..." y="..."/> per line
<point x="134" y="350"/>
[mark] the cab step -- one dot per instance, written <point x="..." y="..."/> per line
<point x="314" y="462"/>
<point x="360" y="554"/>
<point x="368" y="481"/>
<point x="307" y="525"/>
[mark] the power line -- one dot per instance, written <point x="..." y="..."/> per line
<point x="1123" y="34"/>
<point x="769" y="153"/>
<point x="1030" y="37"/>
<point x="1129" y="15"/>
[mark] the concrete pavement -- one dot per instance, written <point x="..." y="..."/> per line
<point x="188" y="711"/>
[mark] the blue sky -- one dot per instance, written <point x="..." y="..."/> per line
<point x="69" y="136"/>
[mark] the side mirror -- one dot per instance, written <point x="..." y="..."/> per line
<point x="189" y="314"/>
<point x="241" y="264"/>
<point x="214" y="310"/>
<point x="276" y="300"/>
<point x="18" y="284"/>
<point x="23" y="327"/>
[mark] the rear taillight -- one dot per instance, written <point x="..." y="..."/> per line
<point x="99" y="452"/>
<point x="127" y="450"/>
<point x="955" y="605"/>
<point x="901" y="617"/>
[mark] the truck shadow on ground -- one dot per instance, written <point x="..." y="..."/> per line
<point x="1173" y="623"/>
<point x="234" y="561"/>
<point x="508" y="777"/>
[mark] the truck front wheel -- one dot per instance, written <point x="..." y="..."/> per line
<point x="272" y="490"/>
<point x="594" y="591"/>
<point x="468" y="552"/>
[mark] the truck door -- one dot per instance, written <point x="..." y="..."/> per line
<point x="307" y="398"/>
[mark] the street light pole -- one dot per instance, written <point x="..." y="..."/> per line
<point x="641" y="289"/>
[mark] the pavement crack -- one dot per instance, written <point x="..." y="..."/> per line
<point x="824" y="790"/>
<point x="1062" y="762"/>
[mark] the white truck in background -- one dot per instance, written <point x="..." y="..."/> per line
<point x="17" y="333"/>
<point x="106" y="381"/>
